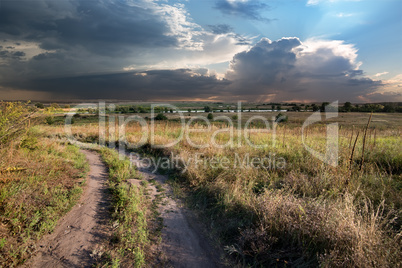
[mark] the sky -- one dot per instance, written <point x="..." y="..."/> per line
<point x="210" y="50"/>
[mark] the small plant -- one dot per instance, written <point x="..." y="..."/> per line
<point x="14" y="121"/>
<point x="210" y="116"/>
<point x="160" y="117"/>
<point x="49" y="120"/>
<point x="30" y="141"/>
<point x="281" y="118"/>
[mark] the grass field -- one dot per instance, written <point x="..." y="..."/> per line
<point x="305" y="213"/>
<point x="264" y="197"/>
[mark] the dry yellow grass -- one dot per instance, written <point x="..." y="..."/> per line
<point x="305" y="214"/>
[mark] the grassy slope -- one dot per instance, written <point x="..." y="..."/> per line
<point x="46" y="183"/>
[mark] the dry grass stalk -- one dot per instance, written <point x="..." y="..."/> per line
<point x="353" y="150"/>
<point x="364" y="141"/>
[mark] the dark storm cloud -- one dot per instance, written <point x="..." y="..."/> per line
<point x="288" y="69"/>
<point x="383" y="97"/>
<point x="264" y="65"/>
<point x="103" y="27"/>
<point x="5" y="54"/>
<point x="280" y="70"/>
<point x="247" y="9"/>
<point x="158" y="84"/>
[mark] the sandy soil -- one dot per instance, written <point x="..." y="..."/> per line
<point x="184" y="243"/>
<point x="79" y="233"/>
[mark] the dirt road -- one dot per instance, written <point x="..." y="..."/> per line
<point x="79" y="233"/>
<point x="184" y="243"/>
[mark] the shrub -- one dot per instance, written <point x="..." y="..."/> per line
<point x="39" y="105"/>
<point x="14" y="121"/>
<point x="55" y="105"/>
<point x="210" y="116"/>
<point x="49" y="120"/>
<point x="160" y="117"/>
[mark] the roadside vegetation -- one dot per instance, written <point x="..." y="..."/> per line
<point x="132" y="213"/>
<point x="40" y="180"/>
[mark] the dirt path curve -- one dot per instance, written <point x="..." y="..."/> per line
<point x="79" y="233"/>
<point x="184" y="243"/>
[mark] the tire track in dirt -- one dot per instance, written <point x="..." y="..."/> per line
<point x="83" y="229"/>
<point x="184" y="243"/>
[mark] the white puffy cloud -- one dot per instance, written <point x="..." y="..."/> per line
<point x="321" y="57"/>
<point x="288" y="69"/>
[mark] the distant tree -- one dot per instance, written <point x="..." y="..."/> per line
<point x="171" y="111"/>
<point x="273" y="107"/>
<point x="235" y="117"/>
<point x="278" y="107"/>
<point x="141" y="110"/>
<point x="67" y="106"/>
<point x="207" y="109"/>
<point x="296" y="108"/>
<point x="347" y="107"/>
<point x="307" y="107"/>
<point x="388" y="108"/>
<point x="189" y="110"/>
<point x="323" y="105"/>
<point x="210" y="116"/>
<point x="39" y="105"/>
<point x="315" y="107"/>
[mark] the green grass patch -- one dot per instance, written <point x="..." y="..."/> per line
<point x="131" y="215"/>
<point x="33" y="199"/>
